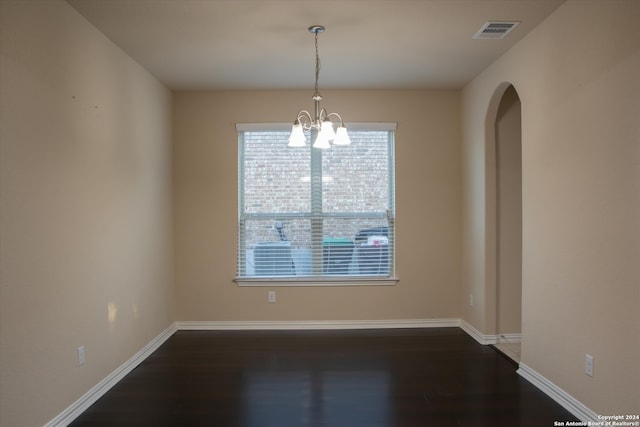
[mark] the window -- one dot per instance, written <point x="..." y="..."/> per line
<point x="308" y="215"/>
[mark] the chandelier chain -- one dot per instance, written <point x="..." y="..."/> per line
<point x="317" y="63"/>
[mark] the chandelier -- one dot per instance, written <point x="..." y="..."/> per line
<point x="320" y="124"/>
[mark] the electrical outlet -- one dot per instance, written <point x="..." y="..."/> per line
<point x="271" y="296"/>
<point x="588" y="364"/>
<point x="81" y="355"/>
<point x="470" y="300"/>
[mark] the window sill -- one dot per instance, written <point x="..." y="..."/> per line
<point x="315" y="281"/>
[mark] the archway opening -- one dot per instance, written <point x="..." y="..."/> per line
<point x="507" y="210"/>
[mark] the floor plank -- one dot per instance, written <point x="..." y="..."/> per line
<point x="366" y="378"/>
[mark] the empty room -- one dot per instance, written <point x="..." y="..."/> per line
<point x="340" y="213"/>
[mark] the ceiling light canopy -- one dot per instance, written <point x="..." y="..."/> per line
<point x="320" y="124"/>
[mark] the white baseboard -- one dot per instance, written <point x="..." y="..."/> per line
<point x="90" y="397"/>
<point x="509" y="338"/>
<point x="317" y="324"/>
<point x="476" y="334"/>
<point x="563" y="398"/>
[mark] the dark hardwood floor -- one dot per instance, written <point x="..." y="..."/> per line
<point x="369" y="378"/>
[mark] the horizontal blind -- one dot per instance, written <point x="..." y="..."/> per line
<point x="305" y="212"/>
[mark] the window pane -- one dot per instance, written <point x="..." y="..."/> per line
<point x="356" y="176"/>
<point x="276" y="177"/>
<point x="277" y="247"/>
<point x="356" y="246"/>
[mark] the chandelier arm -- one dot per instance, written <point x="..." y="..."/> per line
<point x="305" y="119"/>
<point x="322" y="116"/>
<point x="337" y="115"/>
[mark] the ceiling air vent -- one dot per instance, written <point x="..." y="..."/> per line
<point x="495" y="30"/>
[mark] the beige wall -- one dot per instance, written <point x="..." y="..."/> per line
<point x="85" y="193"/>
<point x="577" y="77"/>
<point x="428" y="207"/>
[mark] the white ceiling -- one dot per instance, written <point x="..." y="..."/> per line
<point x="264" y="44"/>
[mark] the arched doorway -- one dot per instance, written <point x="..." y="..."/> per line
<point x="504" y="225"/>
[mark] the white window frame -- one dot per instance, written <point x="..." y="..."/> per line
<point x="295" y="281"/>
